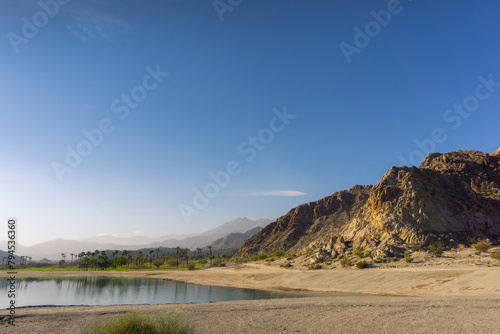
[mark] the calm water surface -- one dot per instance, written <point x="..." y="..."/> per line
<point x="85" y="290"/>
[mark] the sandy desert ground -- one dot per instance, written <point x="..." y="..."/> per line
<point x="452" y="294"/>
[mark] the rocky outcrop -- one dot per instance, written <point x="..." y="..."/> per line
<point x="450" y="196"/>
<point x="309" y="224"/>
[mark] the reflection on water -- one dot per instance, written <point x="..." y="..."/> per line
<point x="92" y="290"/>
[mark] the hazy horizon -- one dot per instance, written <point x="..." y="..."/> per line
<point x="173" y="117"/>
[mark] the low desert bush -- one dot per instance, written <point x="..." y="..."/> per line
<point x="241" y="260"/>
<point x="278" y="253"/>
<point x="315" y="267"/>
<point x="135" y="322"/>
<point x="361" y="264"/>
<point x="495" y="255"/>
<point x="286" y="265"/>
<point x="218" y="263"/>
<point x="258" y="256"/>
<point x="408" y="258"/>
<point x="191" y="266"/>
<point x="344" y="262"/>
<point x="359" y="253"/>
<point x="483" y="245"/>
<point x="471" y="240"/>
<point x="437" y="248"/>
<point x="378" y="260"/>
<point x="320" y="259"/>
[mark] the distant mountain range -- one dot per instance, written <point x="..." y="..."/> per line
<point x="52" y="249"/>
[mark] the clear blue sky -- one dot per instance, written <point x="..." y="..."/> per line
<point x="353" y="120"/>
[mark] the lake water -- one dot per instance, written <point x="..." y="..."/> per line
<point x="85" y="290"/>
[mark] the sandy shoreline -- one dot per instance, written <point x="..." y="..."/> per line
<point x="445" y="299"/>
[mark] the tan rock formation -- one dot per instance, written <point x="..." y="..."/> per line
<point x="450" y="196"/>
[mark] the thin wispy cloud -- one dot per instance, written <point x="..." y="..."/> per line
<point x="282" y="193"/>
<point x="90" y="23"/>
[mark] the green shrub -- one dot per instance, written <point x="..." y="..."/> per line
<point x="218" y="263"/>
<point x="483" y="245"/>
<point x="344" y="262"/>
<point x="258" y="256"/>
<point x="278" y="253"/>
<point x="477" y="253"/>
<point x="140" y="323"/>
<point x="315" y="267"/>
<point x="408" y="259"/>
<point x="415" y="248"/>
<point x="359" y="254"/>
<point x="241" y="260"/>
<point x="471" y="240"/>
<point x="191" y="266"/>
<point x="495" y="255"/>
<point x="286" y="265"/>
<point x="378" y="260"/>
<point x="320" y="259"/>
<point x="437" y="248"/>
<point x="361" y="264"/>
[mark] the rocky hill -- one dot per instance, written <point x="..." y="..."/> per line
<point x="452" y="197"/>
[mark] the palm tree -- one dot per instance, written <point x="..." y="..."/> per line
<point x="151" y="251"/>
<point x="138" y="257"/>
<point x="72" y="255"/>
<point x="103" y="260"/>
<point x="81" y="256"/>
<point x="113" y="254"/>
<point x="157" y="252"/>
<point x="185" y="251"/>
<point x="210" y="250"/>
<point x="177" y="251"/>
<point x="124" y="256"/>
<point x="88" y="260"/>
<point x="198" y="250"/>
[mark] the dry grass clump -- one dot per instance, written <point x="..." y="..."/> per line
<point x="139" y="323"/>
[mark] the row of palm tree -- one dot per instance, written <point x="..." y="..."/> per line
<point x="99" y="260"/>
<point x="23" y="262"/>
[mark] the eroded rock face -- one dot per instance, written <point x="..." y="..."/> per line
<point x="451" y="195"/>
<point x="314" y="223"/>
